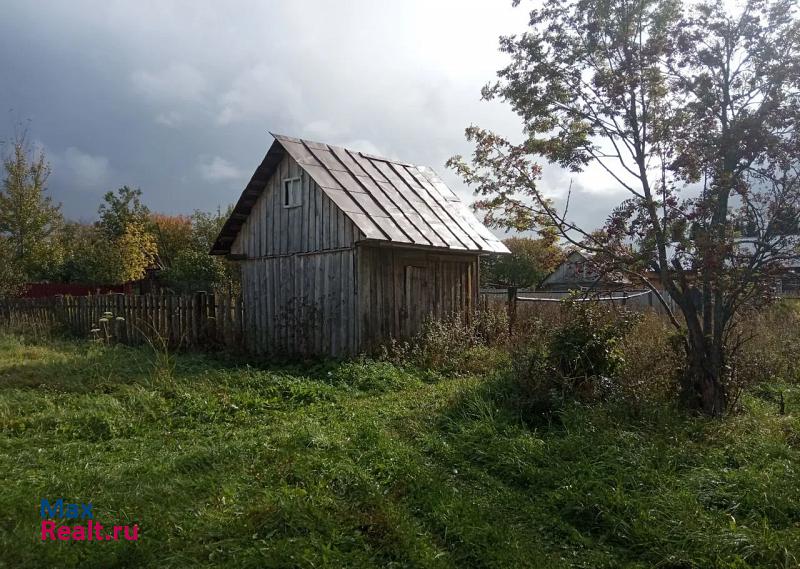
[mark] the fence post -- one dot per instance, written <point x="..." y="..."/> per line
<point x="172" y="325"/>
<point x="121" y="330"/>
<point x="211" y="318"/>
<point x="240" y="317"/>
<point x="512" y="308"/>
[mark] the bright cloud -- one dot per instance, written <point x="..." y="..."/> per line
<point x="259" y="92"/>
<point x="217" y="168"/>
<point x="174" y="83"/>
<point x="87" y="171"/>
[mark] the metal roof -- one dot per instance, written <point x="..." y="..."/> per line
<point x="386" y="199"/>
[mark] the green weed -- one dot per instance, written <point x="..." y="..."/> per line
<point x="367" y="464"/>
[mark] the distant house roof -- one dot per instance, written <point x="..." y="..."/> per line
<point x="786" y="253"/>
<point x="386" y="199"/>
<point x="575" y="270"/>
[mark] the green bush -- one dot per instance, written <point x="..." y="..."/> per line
<point x="652" y="362"/>
<point x="772" y="347"/>
<point x="579" y="360"/>
<point x="476" y="345"/>
<point x="536" y="388"/>
<point x="588" y="345"/>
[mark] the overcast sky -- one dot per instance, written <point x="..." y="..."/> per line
<point x="178" y="98"/>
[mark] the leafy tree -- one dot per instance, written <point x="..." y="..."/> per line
<point x="189" y="266"/>
<point x="121" y="209"/>
<point x="92" y="257"/>
<point x="134" y="252"/>
<point x="86" y="250"/>
<point x="173" y="234"/>
<point x="130" y="247"/>
<point x="12" y="279"/>
<point x="694" y="113"/>
<point x="178" y="245"/>
<point x="530" y="261"/>
<point x="29" y="220"/>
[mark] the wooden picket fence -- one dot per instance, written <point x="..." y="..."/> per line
<point x="198" y="320"/>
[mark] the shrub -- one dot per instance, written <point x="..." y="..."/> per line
<point x="587" y="351"/>
<point x="587" y="346"/>
<point x="483" y="360"/>
<point x="441" y="344"/>
<point x="536" y="385"/>
<point x="456" y="345"/>
<point x="537" y="320"/>
<point x="29" y="326"/>
<point x="770" y="349"/>
<point x="579" y="360"/>
<point x="653" y="360"/>
<point x="491" y="326"/>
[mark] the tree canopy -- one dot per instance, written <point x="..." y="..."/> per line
<point x="693" y="110"/>
<point x="189" y="266"/>
<point x="29" y="219"/>
<point x="121" y="209"/>
<point x="530" y="261"/>
<point x="125" y="241"/>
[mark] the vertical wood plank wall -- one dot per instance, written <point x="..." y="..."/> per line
<point x="399" y="288"/>
<point x="350" y="300"/>
<point x="300" y="304"/>
<point x="297" y="277"/>
<point x="310" y="287"/>
<point x="315" y="225"/>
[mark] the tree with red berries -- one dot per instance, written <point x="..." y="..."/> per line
<point x="693" y="111"/>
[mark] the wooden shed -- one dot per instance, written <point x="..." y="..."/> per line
<point x="576" y="273"/>
<point x="341" y="250"/>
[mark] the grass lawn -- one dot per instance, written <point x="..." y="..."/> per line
<point x="368" y="465"/>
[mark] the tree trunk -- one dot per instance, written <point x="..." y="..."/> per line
<point x="703" y="389"/>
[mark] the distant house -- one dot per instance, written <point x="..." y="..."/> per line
<point x="48" y="289"/>
<point x="576" y="273"/>
<point x="341" y="250"/>
<point x="786" y="280"/>
<point x="149" y="283"/>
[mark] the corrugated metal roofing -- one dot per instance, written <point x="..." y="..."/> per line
<point x="386" y="199"/>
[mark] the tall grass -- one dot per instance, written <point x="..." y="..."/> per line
<point x="586" y="351"/>
<point x="457" y="344"/>
<point x="32" y="327"/>
<point x="369" y="464"/>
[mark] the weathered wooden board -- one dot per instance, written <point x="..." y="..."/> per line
<point x="300" y="304"/>
<point x="314" y="225"/>
<point x="180" y="321"/>
<point x="399" y="288"/>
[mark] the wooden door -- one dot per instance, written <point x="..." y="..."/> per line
<point x="417" y="298"/>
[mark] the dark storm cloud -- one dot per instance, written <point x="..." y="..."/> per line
<point x="178" y="97"/>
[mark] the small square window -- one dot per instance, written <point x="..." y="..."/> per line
<point x="291" y="192"/>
